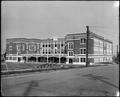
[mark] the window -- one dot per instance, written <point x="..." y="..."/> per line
<point x="76" y="59"/>
<point x="83" y="40"/>
<point x="70" y="53"/>
<point x="96" y="42"/>
<point x="70" y="46"/>
<point x="82" y="51"/>
<point x="55" y="51"/>
<point x="38" y="46"/>
<point x="7" y="58"/>
<point x="23" y="47"/>
<point x="31" y="47"/>
<point x="83" y="60"/>
<point x="62" y="51"/>
<point x="14" y="58"/>
<point x="10" y="58"/>
<point x="55" y="45"/>
<point x="62" y="45"/>
<point x="18" y="47"/>
<point x="101" y="43"/>
<point x="35" y="47"/>
<point x="26" y="45"/>
<point x="10" y="47"/>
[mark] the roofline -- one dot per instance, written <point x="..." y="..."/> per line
<point x="92" y="34"/>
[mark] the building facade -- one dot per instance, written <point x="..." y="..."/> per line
<point x="70" y="49"/>
<point x="100" y="49"/>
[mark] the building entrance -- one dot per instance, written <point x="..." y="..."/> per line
<point x="19" y="59"/>
<point x="70" y="61"/>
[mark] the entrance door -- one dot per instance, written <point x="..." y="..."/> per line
<point x="19" y="59"/>
<point x="70" y="61"/>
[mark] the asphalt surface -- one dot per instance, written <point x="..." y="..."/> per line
<point x="90" y="81"/>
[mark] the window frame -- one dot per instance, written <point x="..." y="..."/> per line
<point x="81" y="52"/>
<point x="69" y="46"/>
<point x="69" y="53"/>
<point x="82" y="60"/>
<point x="82" y="42"/>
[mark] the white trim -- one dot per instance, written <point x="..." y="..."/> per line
<point x="79" y="63"/>
<point x="11" y="60"/>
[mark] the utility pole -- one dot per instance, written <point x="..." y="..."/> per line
<point x="87" y="43"/>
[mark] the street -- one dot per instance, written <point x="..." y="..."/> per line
<point x="90" y="81"/>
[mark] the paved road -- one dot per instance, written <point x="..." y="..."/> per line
<point x="91" y="81"/>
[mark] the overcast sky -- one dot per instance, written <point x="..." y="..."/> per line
<point x="47" y="19"/>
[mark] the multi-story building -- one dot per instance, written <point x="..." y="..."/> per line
<point x="71" y="49"/>
<point x="100" y="49"/>
<point x="45" y="50"/>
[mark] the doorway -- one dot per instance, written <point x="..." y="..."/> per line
<point x="70" y="61"/>
<point x="19" y="59"/>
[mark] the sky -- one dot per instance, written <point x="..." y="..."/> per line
<point x="48" y="19"/>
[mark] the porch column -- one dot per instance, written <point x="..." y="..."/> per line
<point x="26" y="58"/>
<point x="79" y="59"/>
<point x="47" y="58"/>
<point x="59" y="59"/>
<point x="67" y="61"/>
<point x="36" y="58"/>
<point x="60" y="53"/>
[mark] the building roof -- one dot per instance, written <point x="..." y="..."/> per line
<point x="58" y="39"/>
<point x="32" y="40"/>
<point x="91" y="34"/>
<point x="23" y="40"/>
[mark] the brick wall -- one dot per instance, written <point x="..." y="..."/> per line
<point x="11" y="48"/>
<point x="77" y="46"/>
<point x="91" y="46"/>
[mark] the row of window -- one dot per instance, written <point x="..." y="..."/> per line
<point x="31" y="47"/>
<point x="11" y="58"/>
<point x="81" y="59"/>
<point x="50" y="45"/>
<point x="82" y="51"/>
<point x="105" y="59"/>
<point x="102" y="44"/>
<point x="70" y="44"/>
<point x="82" y="40"/>
<point x="76" y="60"/>
<point x="51" y="53"/>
